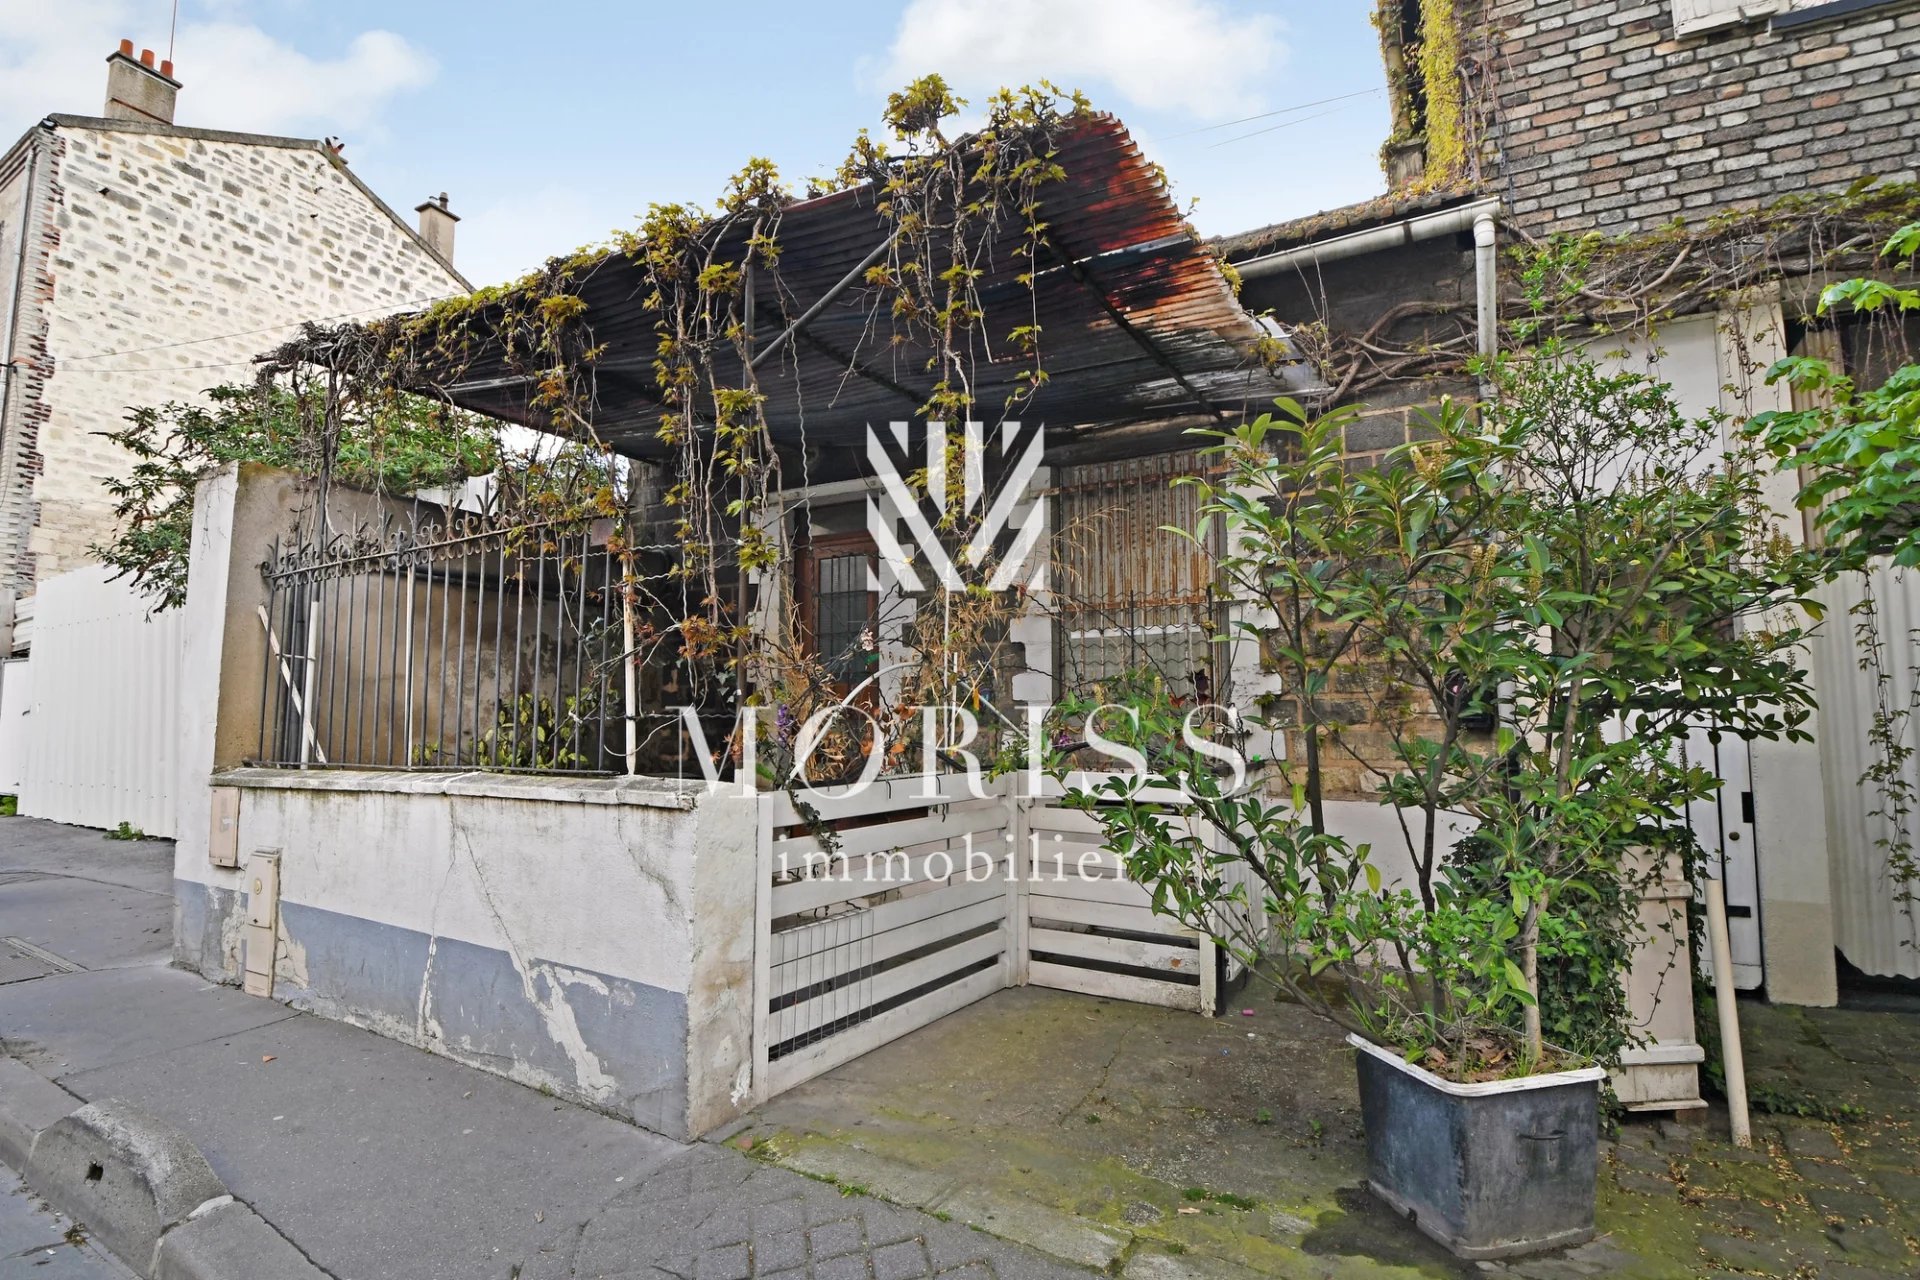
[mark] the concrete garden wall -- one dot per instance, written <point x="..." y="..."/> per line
<point x="590" y="935"/>
<point x="593" y="937"/>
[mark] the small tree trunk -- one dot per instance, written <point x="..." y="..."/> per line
<point x="1316" y="802"/>
<point x="1530" y="971"/>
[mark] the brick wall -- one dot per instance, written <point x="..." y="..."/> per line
<point x="172" y="258"/>
<point x="1609" y="121"/>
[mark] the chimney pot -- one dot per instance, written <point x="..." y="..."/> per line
<point x="137" y="89"/>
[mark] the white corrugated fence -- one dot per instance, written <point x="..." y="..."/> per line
<point x="102" y="723"/>
<point x="1872" y="927"/>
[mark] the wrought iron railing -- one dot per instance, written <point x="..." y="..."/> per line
<point x="466" y="642"/>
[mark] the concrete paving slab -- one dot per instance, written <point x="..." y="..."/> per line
<point x="1231" y="1147"/>
<point x="73" y="1022"/>
<point x="1056" y="1234"/>
<point x="29" y="1102"/>
<point x="125" y="926"/>
<point x="228" y="1241"/>
<point x="895" y="1180"/>
<point x="34" y="844"/>
<point x="381" y="1159"/>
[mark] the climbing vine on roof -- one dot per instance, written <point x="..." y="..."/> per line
<point x="948" y="207"/>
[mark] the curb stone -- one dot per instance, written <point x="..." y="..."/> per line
<point x="225" y="1240"/>
<point x="29" y="1102"/>
<point x="141" y="1187"/>
<point x="129" y="1177"/>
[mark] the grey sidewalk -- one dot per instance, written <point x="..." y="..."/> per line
<point x="380" y="1162"/>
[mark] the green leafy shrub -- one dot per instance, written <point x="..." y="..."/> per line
<point x="1533" y="605"/>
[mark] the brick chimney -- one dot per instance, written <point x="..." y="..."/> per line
<point x="436" y="226"/>
<point x="137" y="90"/>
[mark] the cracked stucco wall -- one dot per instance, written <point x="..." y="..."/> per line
<point x="590" y="938"/>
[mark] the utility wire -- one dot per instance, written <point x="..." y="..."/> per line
<point x="1286" y="124"/>
<point x="170" y="368"/>
<point x="1268" y="115"/>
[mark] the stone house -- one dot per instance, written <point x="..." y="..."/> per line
<point x="141" y="262"/>
<point x="1729" y="159"/>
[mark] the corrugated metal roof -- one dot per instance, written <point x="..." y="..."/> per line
<point x="1137" y="322"/>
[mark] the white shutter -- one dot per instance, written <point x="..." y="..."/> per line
<point x="1690" y="16"/>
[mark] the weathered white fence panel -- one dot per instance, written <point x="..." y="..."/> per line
<point x="104" y="716"/>
<point x="1873" y="928"/>
<point x="1090" y="929"/>
<point x="882" y="911"/>
<point x="897" y="918"/>
<point x="16" y="700"/>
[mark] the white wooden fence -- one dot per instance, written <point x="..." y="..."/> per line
<point x="99" y="733"/>
<point x="902" y="921"/>
<point x="881" y="912"/>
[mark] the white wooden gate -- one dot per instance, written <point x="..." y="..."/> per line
<point x="1723" y="824"/>
<point x="878" y="913"/>
<point x="1088" y="928"/>
<point x="103" y="722"/>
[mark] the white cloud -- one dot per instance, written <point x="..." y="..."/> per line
<point x="1189" y="56"/>
<point x="235" y="75"/>
<point x="242" y="78"/>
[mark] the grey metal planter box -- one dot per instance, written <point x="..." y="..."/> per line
<point x="1488" y="1170"/>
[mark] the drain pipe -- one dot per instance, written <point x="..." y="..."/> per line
<point x="1477" y="217"/>
<point x="1486" y="283"/>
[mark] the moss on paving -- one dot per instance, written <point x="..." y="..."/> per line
<point x="1214" y="1145"/>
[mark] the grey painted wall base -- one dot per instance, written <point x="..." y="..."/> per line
<point x="609" y="1043"/>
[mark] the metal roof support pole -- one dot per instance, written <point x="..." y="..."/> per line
<point x="1082" y="276"/>
<point x="825" y="300"/>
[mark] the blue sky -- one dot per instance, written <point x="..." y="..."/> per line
<point x="552" y="123"/>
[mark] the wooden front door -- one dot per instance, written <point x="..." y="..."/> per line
<point x="839" y="612"/>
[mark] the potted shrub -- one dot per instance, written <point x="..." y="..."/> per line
<point x="1502" y="632"/>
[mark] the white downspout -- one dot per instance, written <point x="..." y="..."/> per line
<point x="1486" y="280"/>
<point x="1478" y="217"/>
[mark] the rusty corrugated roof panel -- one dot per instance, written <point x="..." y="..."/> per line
<point x="1137" y="322"/>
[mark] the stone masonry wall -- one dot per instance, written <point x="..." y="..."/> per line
<point x="1609" y="121"/>
<point x="174" y="257"/>
<point x="27" y="239"/>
